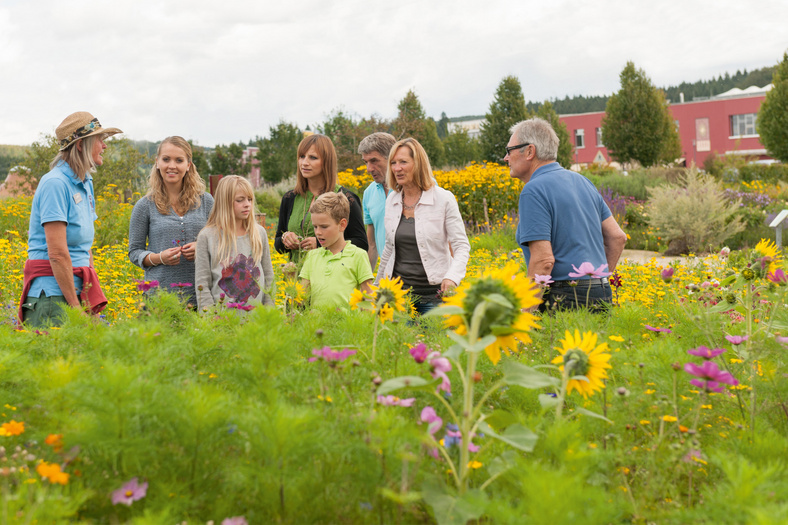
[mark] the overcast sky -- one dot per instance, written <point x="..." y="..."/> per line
<point x="219" y="71"/>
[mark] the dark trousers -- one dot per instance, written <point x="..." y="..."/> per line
<point x="597" y="298"/>
<point x="43" y="311"/>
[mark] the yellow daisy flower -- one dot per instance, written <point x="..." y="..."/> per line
<point x="508" y="324"/>
<point x="591" y="361"/>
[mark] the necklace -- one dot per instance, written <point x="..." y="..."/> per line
<point x="405" y="206"/>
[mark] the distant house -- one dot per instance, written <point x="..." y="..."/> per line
<point x="250" y="155"/>
<point x="470" y="124"/>
<point x="15" y="185"/>
<point x="724" y="124"/>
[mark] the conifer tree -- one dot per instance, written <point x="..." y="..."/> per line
<point x="565" y="146"/>
<point x="772" y="121"/>
<point x="411" y="121"/>
<point x="506" y="110"/>
<point x="638" y="125"/>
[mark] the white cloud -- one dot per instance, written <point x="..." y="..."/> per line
<point x="227" y="71"/>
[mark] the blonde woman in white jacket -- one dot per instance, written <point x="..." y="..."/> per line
<point x="426" y="243"/>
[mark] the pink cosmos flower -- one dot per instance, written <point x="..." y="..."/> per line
<point x="180" y="285"/>
<point x="736" y="339"/>
<point x="439" y="365"/>
<point x="543" y="280"/>
<point x="329" y="355"/>
<point x="429" y="416"/>
<point x="394" y="401"/>
<point x="710" y="376"/>
<point x="781" y="340"/>
<point x="667" y="274"/>
<point x="235" y="520"/>
<point x="587" y="269"/>
<point x="705" y="352"/>
<point x="130" y="492"/>
<point x="420" y="352"/>
<point x="241" y="306"/>
<point x="656" y="329"/>
<point x="144" y="286"/>
<point x="778" y="276"/>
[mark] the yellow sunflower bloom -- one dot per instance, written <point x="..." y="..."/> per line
<point x="390" y="292"/>
<point x="591" y="361"/>
<point x="510" y="324"/>
<point x="767" y="248"/>
<point x="355" y="298"/>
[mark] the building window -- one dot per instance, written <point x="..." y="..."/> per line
<point x="579" y="143"/>
<point x="743" y="125"/>
<point x="599" y="143"/>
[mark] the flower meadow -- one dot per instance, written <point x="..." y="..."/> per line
<point x="669" y="408"/>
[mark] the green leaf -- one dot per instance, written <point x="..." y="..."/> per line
<point x="445" y="310"/>
<point x="518" y="374"/>
<point x="502" y="463"/>
<point x="453" y="352"/>
<point x="581" y="410"/>
<point x="579" y="378"/>
<point x="728" y="280"/>
<point x="517" y="435"/>
<point x="460" y="340"/>
<point x="500" y="418"/>
<point x="499" y="299"/>
<point x="482" y="343"/>
<point x="547" y="401"/>
<point x="455" y="510"/>
<point x="407" y="383"/>
<point x="401" y="499"/>
<point x="498" y="330"/>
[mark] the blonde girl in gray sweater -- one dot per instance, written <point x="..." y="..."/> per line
<point x="233" y="262"/>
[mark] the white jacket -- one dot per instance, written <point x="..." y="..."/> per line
<point x="438" y="225"/>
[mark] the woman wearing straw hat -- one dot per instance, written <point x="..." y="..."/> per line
<point x="165" y="222"/>
<point x="59" y="268"/>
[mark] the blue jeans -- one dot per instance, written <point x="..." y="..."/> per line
<point x="598" y="295"/>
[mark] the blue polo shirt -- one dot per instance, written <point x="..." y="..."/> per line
<point x="374" y="204"/>
<point x="62" y="197"/>
<point x="565" y="208"/>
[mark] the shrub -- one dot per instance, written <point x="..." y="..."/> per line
<point x="694" y="214"/>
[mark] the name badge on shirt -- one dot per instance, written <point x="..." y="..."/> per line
<point x="77" y="198"/>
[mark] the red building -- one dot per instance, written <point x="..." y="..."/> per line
<point x="724" y="124"/>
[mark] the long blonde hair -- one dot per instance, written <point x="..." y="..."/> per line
<point x="80" y="159"/>
<point x="193" y="185"/>
<point x="222" y="218"/>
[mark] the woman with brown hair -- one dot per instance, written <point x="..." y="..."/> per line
<point x="165" y="222"/>
<point x="316" y="174"/>
<point x="59" y="268"/>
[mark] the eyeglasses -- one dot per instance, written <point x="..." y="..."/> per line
<point x="510" y="149"/>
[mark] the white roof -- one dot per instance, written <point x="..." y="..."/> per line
<point x="752" y="90"/>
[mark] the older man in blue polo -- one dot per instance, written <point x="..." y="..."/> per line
<point x="566" y="231"/>
<point x="374" y="150"/>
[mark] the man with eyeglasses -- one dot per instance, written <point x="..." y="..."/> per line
<point x="564" y="222"/>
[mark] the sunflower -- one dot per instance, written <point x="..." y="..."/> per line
<point x="385" y="299"/>
<point x="770" y="254"/>
<point x="509" y="324"/>
<point x="590" y="360"/>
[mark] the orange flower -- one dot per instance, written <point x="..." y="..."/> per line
<point x="12" y="428"/>
<point x="55" y="441"/>
<point x="52" y="472"/>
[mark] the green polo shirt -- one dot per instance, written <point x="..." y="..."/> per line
<point x="333" y="277"/>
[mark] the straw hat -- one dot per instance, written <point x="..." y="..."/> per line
<point x="78" y="126"/>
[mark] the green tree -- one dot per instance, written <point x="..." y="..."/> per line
<point x="638" y="125"/>
<point x="228" y="160"/>
<point x="772" y="122"/>
<point x="125" y="166"/>
<point x="411" y="121"/>
<point x="461" y="149"/>
<point x="506" y="110"/>
<point x="200" y="160"/>
<point x="565" y="146"/>
<point x="37" y="159"/>
<point x="277" y="153"/>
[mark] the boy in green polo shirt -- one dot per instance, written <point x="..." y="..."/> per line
<point x="338" y="267"/>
